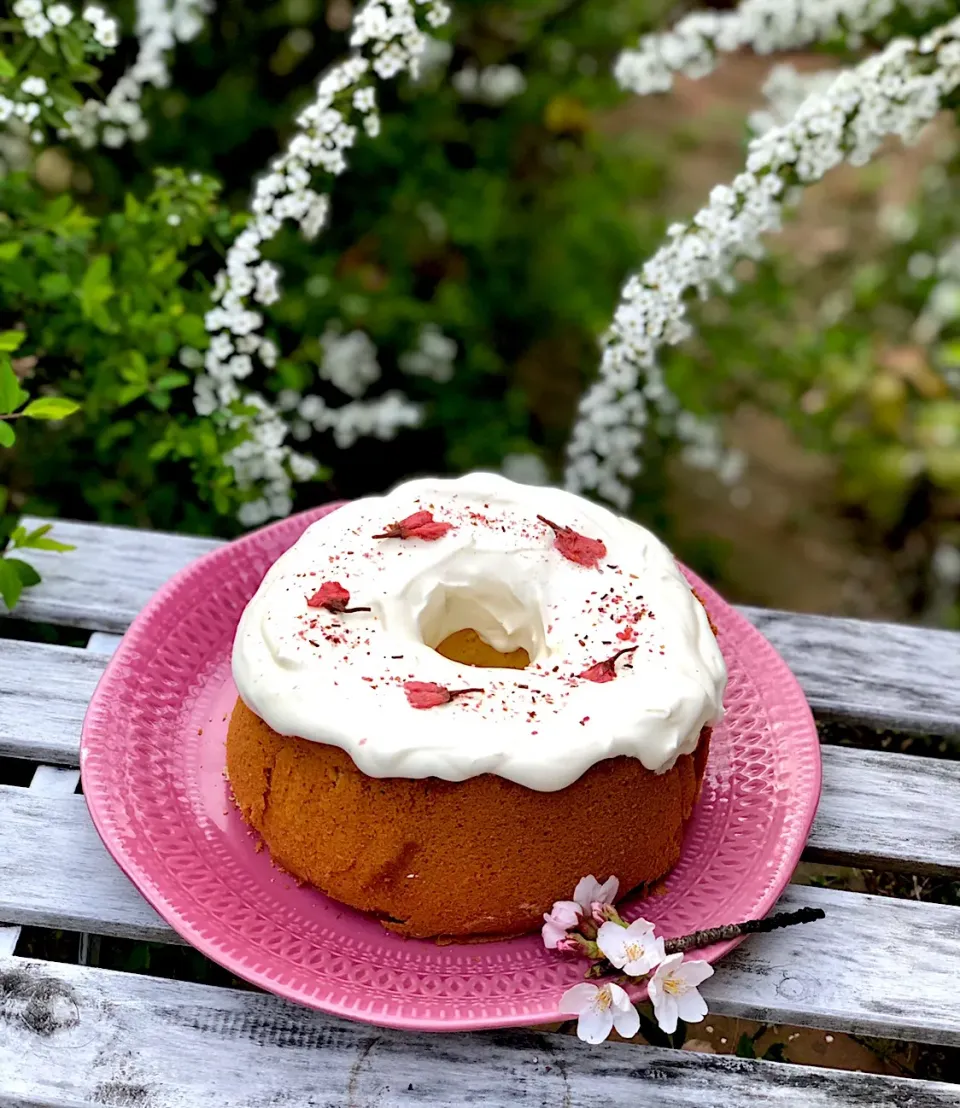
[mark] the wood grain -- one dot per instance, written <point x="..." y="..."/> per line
<point x="888" y="811"/>
<point x="49" y="781"/>
<point x="107" y="579"/>
<point x="886" y="675"/>
<point x="834" y="975"/>
<point x="881" y="674"/>
<point x="71" y="1036"/>
<point x="44" y="692"/>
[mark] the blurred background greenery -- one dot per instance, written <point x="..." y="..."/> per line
<point x="508" y="220"/>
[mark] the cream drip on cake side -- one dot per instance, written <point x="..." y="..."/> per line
<point x="339" y="678"/>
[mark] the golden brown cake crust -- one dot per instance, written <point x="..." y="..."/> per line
<point x="484" y="856"/>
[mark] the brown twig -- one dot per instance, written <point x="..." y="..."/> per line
<point x="735" y="930"/>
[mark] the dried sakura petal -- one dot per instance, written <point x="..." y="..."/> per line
<point x="420" y="525"/>
<point x="606" y="670"/>
<point x="333" y="597"/>
<point x="574" y="546"/>
<point x="426" y="694"/>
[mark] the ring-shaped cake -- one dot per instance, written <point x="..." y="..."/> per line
<point x="459" y="698"/>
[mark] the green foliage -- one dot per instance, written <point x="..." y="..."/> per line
<point x="508" y="227"/>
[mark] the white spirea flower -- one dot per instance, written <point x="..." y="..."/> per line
<point x="23" y="9"/>
<point x="349" y="361"/>
<point x="36" y="26"/>
<point x="160" y="25"/>
<point x="785" y="89"/>
<point x="495" y="84"/>
<point x="387" y="40"/>
<point x="525" y="469"/>
<point x="433" y="356"/>
<point x="894" y="93"/>
<point x="694" y="44"/>
<point x="33" y="86"/>
<point x="105" y="32"/>
<point x="600" y="1009"/>
<point x="60" y="15"/>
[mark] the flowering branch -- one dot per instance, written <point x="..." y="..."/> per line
<point x="784" y="90"/>
<point x="894" y="93"/>
<point x="694" y="45"/>
<point x="387" y="41"/>
<point x="589" y="926"/>
<point x="160" y="25"/>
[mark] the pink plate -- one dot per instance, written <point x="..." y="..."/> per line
<point x="152" y="758"/>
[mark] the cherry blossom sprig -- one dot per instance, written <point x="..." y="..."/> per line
<point x="590" y="927"/>
<point x="695" y="44"/>
<point x="895" y="92"/>
<point x="387" y="40"/>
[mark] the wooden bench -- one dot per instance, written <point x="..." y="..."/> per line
<point x="73" y="1034"/>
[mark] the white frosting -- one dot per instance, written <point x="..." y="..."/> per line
<point x="339" y="678"/>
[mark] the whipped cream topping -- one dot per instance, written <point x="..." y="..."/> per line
<point x="339" y="678"/>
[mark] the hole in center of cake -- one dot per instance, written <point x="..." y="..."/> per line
<point x="487" y="627"/>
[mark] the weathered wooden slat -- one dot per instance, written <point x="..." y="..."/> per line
<point x="49" y="781"/>
<point x="882" y="810"/>
<point x="885" y="675"/>
<point x="102" y="643"/>
<point x="71" y="1036"/>
<point x="882" y="674"/>
<point x="44" y="692"/>
<point x="834" y="975"/>
<point x="107" y="579"/>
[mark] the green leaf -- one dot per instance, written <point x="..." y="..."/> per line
<point x="7" y="434"/>
<point x="10" y="340"/>
<point x="95" y="290"/>
<point x="51" y="544"/>
<point x="11" y="395"/>
<point x="171" y="381"/>
<point x="10" y="250"/>
<point x="51" y="407"/>
<point x="55" y="286"/>
<point x="10" y="584"/>
<point x="4" y="495"/>
<point x="7" y="70"/>
<point x="27" y="574"/>
<point x="745" y="1047"/>
<point x="37" y="539"/>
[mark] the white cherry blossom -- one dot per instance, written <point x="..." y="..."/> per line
<point x="600" y="1009"/>
<point x="636" y="949"/>
<point x="673" y="991"/>
<point x="562" y="917"/>
<point x="589" y="891"/>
